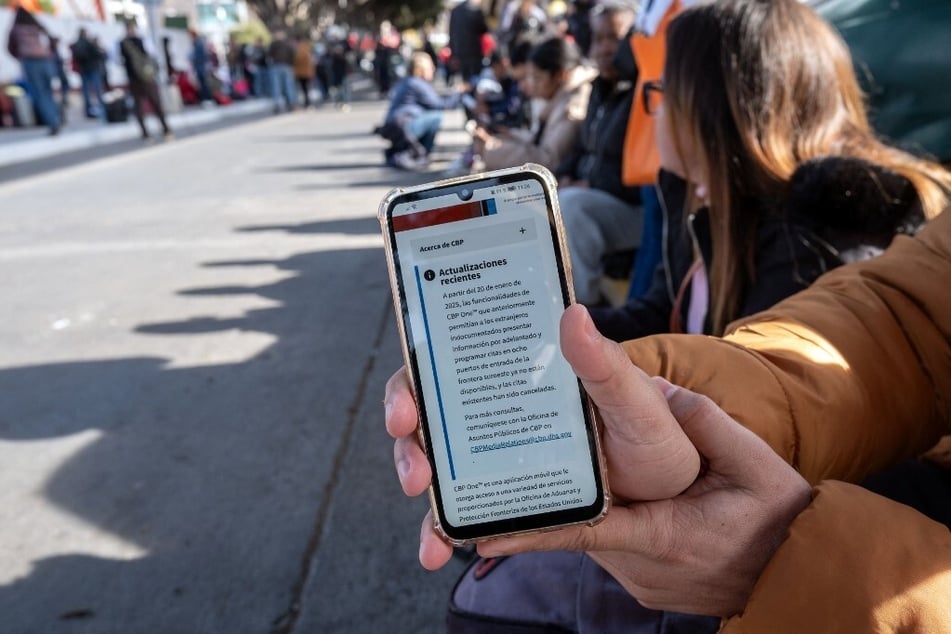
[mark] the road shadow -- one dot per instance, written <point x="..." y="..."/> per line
<point x="212" y="488"/>
<point x="330" y="167"/>
<point x="311" y="138"/>
<point x="349" y="226"/>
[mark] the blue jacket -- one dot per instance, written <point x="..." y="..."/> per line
<point x="413" y="95"/>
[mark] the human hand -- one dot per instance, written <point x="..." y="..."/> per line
<point x="646" y="450"/>
<point x="481" y="134"/>
<point x="501" y="131"/>
<point x="703" y="551"/>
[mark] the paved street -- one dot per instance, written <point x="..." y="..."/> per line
<point x="194" y="342"/>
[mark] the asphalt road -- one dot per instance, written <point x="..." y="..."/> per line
<point x="193" y="347"/>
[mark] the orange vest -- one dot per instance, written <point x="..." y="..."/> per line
<point x="641" y="158"/>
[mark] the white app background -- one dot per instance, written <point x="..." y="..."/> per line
<point x="506" y="421"/>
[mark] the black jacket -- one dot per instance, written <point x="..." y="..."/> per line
<point x="466" y="26"/>
<point x="87" y="55"/>
<point x="138" y="64"/>
<point x="598" y="154"/>
<point x="836" y="210"/>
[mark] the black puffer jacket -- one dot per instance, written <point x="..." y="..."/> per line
<point x="598" y="154"/>
<point x="836" y="210"/>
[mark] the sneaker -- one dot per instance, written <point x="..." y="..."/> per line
<point x="404" y="160"/>
<point x="459" y="167"/>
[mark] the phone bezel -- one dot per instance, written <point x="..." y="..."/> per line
<point x="521" y="524"/>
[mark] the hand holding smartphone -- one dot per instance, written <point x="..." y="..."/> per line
<point x="480" y="278"/>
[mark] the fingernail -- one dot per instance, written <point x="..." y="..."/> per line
<point x="589" y="327"/>
<point x="402" y="467"/>
<point x="665" y="386"/>
<point x="387" y="408"/>
<point x="422" y="544"/>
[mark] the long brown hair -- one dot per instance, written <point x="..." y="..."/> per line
<point x="758" y="87"/>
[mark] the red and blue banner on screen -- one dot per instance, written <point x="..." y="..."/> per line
<point x="444" y="215"/>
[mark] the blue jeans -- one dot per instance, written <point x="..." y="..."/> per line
<point x="424" y="127"/>
<point x="342" y="92"/>
<point x="651" y="249"/>
<point x="282" y="85"/>
<point x="204" y="90"/>
<point x="596" y="224"/>
<point x="39" y="75"/>
<point x="92" y="87"/>
<point x="262" y="81"/>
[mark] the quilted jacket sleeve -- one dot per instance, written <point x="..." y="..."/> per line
<point x="559" y="135"/>
<point x="854" y="562"/>
<point x="842" y="379"/>
<point x="847" y="377"/>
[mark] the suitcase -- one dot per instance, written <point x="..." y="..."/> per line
<point x="23" y="115"/>
<point x="117" y="110"/>
<point x="171" y="98"/>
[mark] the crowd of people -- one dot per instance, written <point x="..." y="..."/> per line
<point x="293" y="69"/>
<point x="725" y="149"/>
<point x="810" y="254"/>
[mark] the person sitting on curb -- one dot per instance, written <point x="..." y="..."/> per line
<point x="415" y="112"/>
<point x="602" y="216"/>
<point x="752" y="210"/>
<point x="501" y="101"/>
<point x="561" y="86"/>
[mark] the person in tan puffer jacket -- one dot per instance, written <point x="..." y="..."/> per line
<point x="840" y="380"/>
<point x="556" y="80"/>
<point x="843" y="380"/>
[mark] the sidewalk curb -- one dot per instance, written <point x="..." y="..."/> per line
<point x="33" y="149"/>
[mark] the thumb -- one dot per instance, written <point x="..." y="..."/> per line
<point x="731" y="449"/>
<point x="648" y="455"/>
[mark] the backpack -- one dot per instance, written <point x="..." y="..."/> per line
<point x="143" y="66"/>
<point x="83" y="53"/>
<point x="555" y="593"/>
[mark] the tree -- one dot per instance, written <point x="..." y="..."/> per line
<point x="250" y="32"/>
<point x="406" y="14"/>
<point x="286" y="13"/>
<point x="369" y="14"/>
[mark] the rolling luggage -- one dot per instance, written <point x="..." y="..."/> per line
<point x="23" y="114"/>
<point x="117" y="110"/>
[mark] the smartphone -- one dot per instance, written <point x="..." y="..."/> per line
<point x="480" y="277"/>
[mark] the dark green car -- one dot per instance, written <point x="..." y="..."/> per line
<point x="902" y="52"/>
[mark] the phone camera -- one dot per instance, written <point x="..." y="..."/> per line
<point x="465" y="193"/>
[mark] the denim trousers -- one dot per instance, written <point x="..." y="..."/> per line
<point x="39" y="76"/>
<point x="92" y="87"/>
<point x="282" y="86"/>
<point x="596" y="224"/>
<point x="424" y="127"/>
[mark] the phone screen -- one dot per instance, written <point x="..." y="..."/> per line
<point x="482" y="286"/>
